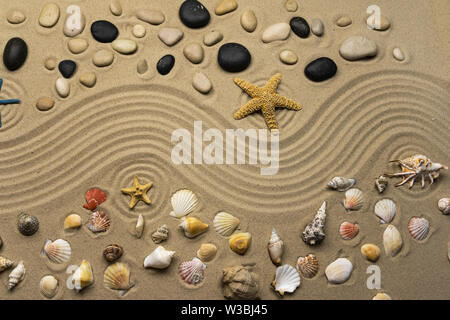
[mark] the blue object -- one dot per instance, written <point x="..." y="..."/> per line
<point x="7" y="101"/>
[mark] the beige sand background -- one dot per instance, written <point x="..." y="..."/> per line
<point x="352" y="125"/>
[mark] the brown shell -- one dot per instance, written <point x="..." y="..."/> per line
<point x="100" y="222"/>
<point x="113" y="252"/>
<point x="27" y="224"/>
<point x="94" y="197"/>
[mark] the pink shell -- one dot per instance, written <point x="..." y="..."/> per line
<point x="100" y="222"/>
<point x="192" y="272"/>
<point x="94" y="197"/>
<point x="348" y="230"/>
<point x="418" y="228"/>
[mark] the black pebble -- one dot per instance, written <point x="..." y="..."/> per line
<point x="320" y="69"/>
<point x="15" y="54"/>
<point x="300" y="27"/>
<point x="193" y="14"/>
<point x="67" y="68"/>
<point x="165" y="64"/>
<point x="234" y="57"/>
<point x="104" y="31"/>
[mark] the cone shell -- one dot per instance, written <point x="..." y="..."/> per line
<point x="240" y="242"/>
<point x="192" y="272"/>
<point x="287" y="279"/>
<point x="58" y="251"/>
<point x="341" y="184"/>
<point x="5" y="263"/>
<point x="382" y="296"/>
<point x="160" y="258"/>
<point x="83" y="276"/>
<point x="100" y="222"/>
<point x="275" y="248"/>
<point x="353" y="199"/>
<point x="207" y="252"/>
<point x="339" y="271"/>
<point x="381" y="183"/>
<point x="72" y="221"/>
<point x="418" y="228"/>
<point x="48" y="286"/>
<point x="239" y="283"/>
<point x="112" y="252"/>
<point x="161" y="234"/>
<point x="308" y="266"/>
<point x="385" y="209"/>
<point x="27" y="224"/>
<point x="16" y="275"/>
<point x="392" y="240"/>
<point x="370" y="251"/>
<point x="140" y="226"/>
<point x="348" y="230"/>
<point x="225" y="223"/>
<point x="192" y="227"/>
<point x="444" y="205"/>
<point x="183" y="202"/>
<point x="117" y="277"/>
<point x="94" y="197"/>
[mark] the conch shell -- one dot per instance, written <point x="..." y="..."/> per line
<point x="16" y="276"/>
<point x="275" y="248"/>
<point x="314" y="232"/>
<point x="192" y="227"/>
<point x="160" y="258"/>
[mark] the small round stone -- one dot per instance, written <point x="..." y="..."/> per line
<point x="45" y="104"/>
<point x="233" y="57"/>
<point x="358" y="47"/>
<point x="288" y="57"/>
<point x="370" y="251"/>
<point x="226" y="6"/>
<point x="104" y="31"/>
<point x="213" y="37"/>
<point x="103" y="58"/>
<point x="15" y="17"/>
<point x="62" y="87"/>
<point x="67" y="68"/>
<point x="193" y="14"/>
<point x="15" y="54"/>
<point x="320" y="69"/>
<point x="398" y="54"/>
<point x="170" y="36"/>
<point x="115" y="7"/>
<point x="165" y="64"/>
<point x="201" y="83"/>
<point x="300" y="27"/>
<point x="276" y="32"/>
<point x="343" y="21"/>
<point x="139" y="31"/>
<point x="249" y="21"/>
<point x="124" y="46"/>
<point x="49" y="15"/>
<point x="317" y="27"/>
<point x="291" y="5"/>
<point x="154" y="17"/>
<point x="50" y="63"/>
<point x="194" y="53"/>
<point x="78" y="45"/>
<point x="142" y="66"/>
<point x="88" y="79"/>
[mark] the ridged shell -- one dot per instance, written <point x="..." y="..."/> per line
<point x="83" y="276"/>
<point x="27" y="224"/>
<point x="48" y="286"/>
<point x="183" y="202"/>
<point x="348" y="230"/>
<point x="381" y="183"/>
<point x="94" y="197"/>
<point x="381" y="296"/>
<point x="339" y="271"/>
<point x="112" y="252"/>
<point x="207" y="252"/>
<point x="225" y="223"/>
<point x="72" y="221"/>
<point x="5" y="263"/>
<point x="239" y="283"/>
<point x="341" y="184"/>
<point x="140" y="226"/>
<point x="444" y="205"/>
<point x="287" y="279"/>
<point x="240" y="242"/>
<point x="418" y="228"/>
<point x="192" y="272"/>
<point x="100" y="222"/>
<point x="275" y="248"/>
<point x="117" y="277"/>
<point x="192" y="227"/>
<point x="385" y="209"/>
<point x="160" y="258"/>
<point x="58" y="251"/>
<point x="161" y="234"/>
<point x="16" y="275"/>
<point x="308" y="266"/>
<point x="353" y="199"/>
<point x="392" y="241"/>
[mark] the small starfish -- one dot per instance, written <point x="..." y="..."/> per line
<point x="138" y="192"/>
<point x="265" y="99"/>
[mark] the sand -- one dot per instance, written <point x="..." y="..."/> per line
<point x="352" y="125"/>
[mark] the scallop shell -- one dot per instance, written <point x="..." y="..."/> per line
<point x="192" y="272"/>
<point x="339" y="271"/>
<point x="100" y="222"/>
<point x="161" y="234"/>
<point x="140" y="226"/>
<point x="353" y="199"/>
<point x="183" y="202"/>
<point x="225" y="223"/>
<point x="385" y="209"/>
<point x="48" y="286"/>
<point x="72" y="221"/>
<point x="308" y="266"/>
<point x="83" y="276"/>
<point x="5" y="263"/>
<point x="348" y="230"/>
<point x="418" y="228"/>
<point x="381" y="183"/>
<point x="112" y="252"/>
<point x="117" y="277"/>
<point x="275" y="248"/>
<point x="392" y="240"/>
<point x="287" y="279"/>
<point x="240" y="282"/>
<point x="341" y="184"/>
<point x="444" y="205"/>
<point x="192" y="227"/>
<point x="207" y="252"/>
<point x="16" y="275"/>
<point x="382" y="296"/>
<point x="27" y="224"/>
<point x="160" y="258"/>
<point x="94" y="197"/>
<point x="240" y="242"/>
<point x="57" y="251"/>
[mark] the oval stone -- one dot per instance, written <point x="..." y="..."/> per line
<point x="104" y="31"/>
<point x="249" y="21"/>
<point x="288" y="57"/>
<point x="142" y="66"/>
<point x="201" y="83"/>
<point x="45" y="103"/>
<point x="116" y="8"/>
<point x="398" y="54"/>
<point x="154" y="17"/>
<point x="78" y="45"/>
<point x="320" y="69"/>
<point x="124" y="46"/>
<point x="276" y="32"/>
<point x="194" y="53"/>
<point x="226" y="6"/>
<point x="50" y="63"/>
<point x="213" y="37"/>
<point x="15" y="54"/>
<point x="343" y="21"/>
<point x="49" y="15"/>
<point x="193" y="14"/>
<point x="317" y="27"/>
<point x="15" y="17"/>
<point x="88" y="79"/>
<point x="103" y="58"/>
<point x="300" y="27"/>
<point x="165" y="64"/>
<point x="170" y="36"/>
<point x="291" y="5"/>
<point x="233" y="57"/>
<point x="139" y="31"/>
<point x="67" y="68"/>
<point x="358" y="47"/>
<point x="62" y="87"/>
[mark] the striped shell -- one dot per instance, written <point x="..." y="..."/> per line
<point x="287" y="279"/>
<point x="341" y="184"/>
<point x="348" y="230"/>
<point x="385" y="209"/>
<point x="100" y="222"/>
<point x="225" y="223"/>
<point x="418" y="228"/>
<point x="94" y="197"/>
<point x="58" y="251"/>
<point x="27" y="224"/>
<point x="392" y="240"/>
<point x="117" y="277"/>
<point x="353" y="199"/>
<point x="48" y="286"/>
<point x="308" y="266"/>
<point x="16" y="275"/>
<point x="275" y="248"/>
<point x="112" y="252"/>
<point x="183" y="202"/>
<point x="192" y="272"/>
<point x="161" y="234"/>
<point x="444" y="205"/>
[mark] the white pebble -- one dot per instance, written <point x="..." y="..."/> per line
<point x="398" y="54"/>
<point x="201" y="83"/>
<point x="63" y="87"/>
<point x="139" y="31"/>
<point x="276" y="32"/>
<point x="358" y="47"/>
<point x="170" y="36"/>
<point x="124" y="46"/>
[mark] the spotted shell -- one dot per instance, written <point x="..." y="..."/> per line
<point x="48" y="286"/>
<point x="287" y="279"/>
<point x="308" y="266"/>
<point x="225" y="223"/>
<point x="58" y="251"/>
<point x="192" y="272"/>
<point x="161" y="234"/>
<point x="117" y="277"/>
<point x="353" y="199"/>
<point x="112" y="252"/>
<point x="94" y="197"/>
<point x="418" y="228"/>
<point x="240" y="242"/>
<point x="385" y="209"/>
<point x="27" y="224"/>
<point x="348" y="230"/>
<point x="183" y="202"/>
<point x="100" y="222"/>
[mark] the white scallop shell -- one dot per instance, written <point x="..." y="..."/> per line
<point x="341" y="184"/>
<point x="183" y="202"/>
<point x="192" y="272"/>
<point x="385" y="209"/>
<point x="444" y="205"/>
<point x="392" y="240"/>
<point x="16" y="275"/>
<point x="48" y="286"/>
<point x="160" y="258"/>
<point x="287" y="279"/>
<point x="58" y="251"/>
<point x="339" y="271"/>
<point x="418" y="228"/>
<point x="275" y="247"/>
<point x="225" y="223"/>
<point x="353" y="199"/>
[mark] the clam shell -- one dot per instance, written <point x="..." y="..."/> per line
<point x="192" y="272"/>
<point x="94" y="197"/>
<point x="418" y="228"/>
<point x="381" y="183"/>
<point x="83" y="276"/>
<point x="161" y="234"/>
<point x="444" y="205"/>
<point x="225" y="223"/>
<point x="27" y="224"/>
<point x="117" y="277"/>
<point x="72" y="221"/>
<point x="160" y="258"/>
<point x="48" y="286"/>
<point x="112" y="252"/>
<point x="353" y="199"/>
<point x="58" y="251"/>
<point x="140" y="226"/>
<point x="100" y="222"/>
<point x="5" y="263"/>
<point x="308" y="266"/>
<point x="192" y="227"/>
<point x="339" y="271"/>
<point x="370" y="251"/>
<point x="183" y="202"/>
<point x="240" y="242"/>
<point x="348" y="230"/>
<point x="392" y="240"/>
<point x="240" y="282"/>
<point x="341" y="184"/>
<point x="385" y="209"/>
<point x="287" y="279"/>
<point x="275" y="248"/>
<point x="207" y="252"/>
<point x="381" y="296"/>
<point x="16" y="275"/>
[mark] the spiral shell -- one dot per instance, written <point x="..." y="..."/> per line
<point x="117" y="277"/>
<point x="287" y="279"/>
<point x="353" y="199"/>
<point x="83" y="276"/>
<point x="140" y="226"/>
<point x="100" y="222"/>
<point x="225" y="223"/>
<point x="160" y="258"/>
<point x="112" y="252"/>
<point x="308" y="266"/>
<point x="27" y="224"/>
<point x="385" y="209"/>
<point x="94" y="197"/>
<point x="192" y="227"/>
<point x="57" y="251"/>
<point x="339" y="271"/>
<point x="444" y="205"/>
<point x="192" y="272"/>
<point x="392" y="240"/>
<point x="240" y="242"/>
<point x="240" y="282"/>
<point x="314" y="232"/>
<point x="183" y="202"/>
<point x="341" y="184"/>
<point x="348" y="230"/>
<point x="16" y="275"/>
<point x="72" y="221"/>
<point x="207" y="252"/>
<point x="418" y="228"/>
<point x="5" y="263"/>
<point x="275" y="248"/>
<point x="48" y="286"/>
<point x="161" y="234"/>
